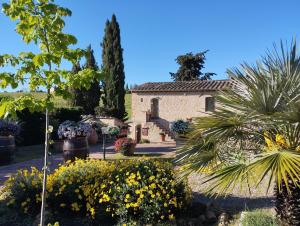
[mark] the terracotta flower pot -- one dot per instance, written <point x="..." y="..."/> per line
<point x="75" y="148"/>
<point x="7" y="149"/>
<point x="93" y="137"/>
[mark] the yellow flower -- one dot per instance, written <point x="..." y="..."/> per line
<point x="280" y="140"/>
<point x="171" y="217"/>
<point x="77" y="190"/>
<point x="62" y="205"/>
<point x="137" y="192"/>
<point x="127" y="205"/>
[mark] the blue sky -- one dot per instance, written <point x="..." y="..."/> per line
<point x="155" y="32"/>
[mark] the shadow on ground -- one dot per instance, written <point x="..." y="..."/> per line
<point x="235" y="203"/>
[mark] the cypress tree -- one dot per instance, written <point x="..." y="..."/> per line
<point x="77" y="98"/>
<point x="112" y="60"/>
<point x="88" y="99"/>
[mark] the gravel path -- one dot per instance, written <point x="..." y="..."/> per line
<point x="238" y="200"/>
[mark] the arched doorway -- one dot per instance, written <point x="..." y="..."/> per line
<point x="154" y="108"/>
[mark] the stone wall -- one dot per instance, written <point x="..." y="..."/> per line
<point x="172" y="105"/>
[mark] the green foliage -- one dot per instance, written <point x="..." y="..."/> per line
<point x="140" y="190"/>
<point x="41" y="23"/>
<point x="146" y="191"/>
<point x="32" y="127"/>
<point x="253" y="136"/>
<point x="112" y="60"/>
<point x="190" y="66"/>
<point x="88" y="99"/>
<point x="23" y="191"/>
<point x="260" y="218"/>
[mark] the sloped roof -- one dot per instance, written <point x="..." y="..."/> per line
<point x="184" y="86"/>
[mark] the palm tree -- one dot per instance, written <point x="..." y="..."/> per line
<point x="254" y="135"/>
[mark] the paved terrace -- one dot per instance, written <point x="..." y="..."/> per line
<point x="165" y="150"/>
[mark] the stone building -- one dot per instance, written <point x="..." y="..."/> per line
<point x="156" y="105"/>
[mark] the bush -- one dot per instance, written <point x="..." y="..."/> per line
<point x="72" y="114"/>
<point x="144" y="141"/>
<point x="180" y="127"/>
<point x="125" y="145"/>
<point x="143" y="191"/>
<point x="113" y="130"/>
<point x="146" y="191"/>
<point x="23" y="190"/>
<point x="258" y="218"/>
<point x="32" y="127"/>
<point x="78" y="187"/>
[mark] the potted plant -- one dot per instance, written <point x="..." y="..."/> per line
<point x="8" y="131"/>
<point x="75" y="139"/>
<point x="125" y="145"/>
<point x="162" y="136"/>
<point x="180" y="128"/>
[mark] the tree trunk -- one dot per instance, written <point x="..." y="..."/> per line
<point x="42" y="220"/>
<point x="287" y="205"/>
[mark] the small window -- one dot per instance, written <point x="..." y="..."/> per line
<point x="209" y="104"/>
<point x="142" y="99"/>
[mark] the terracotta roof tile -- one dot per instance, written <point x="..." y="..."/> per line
<point x="189" y="86"/>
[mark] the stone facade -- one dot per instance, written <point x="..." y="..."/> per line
<point x="171" y="107"/>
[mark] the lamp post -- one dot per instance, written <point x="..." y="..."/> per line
<point x="104" y="131"/>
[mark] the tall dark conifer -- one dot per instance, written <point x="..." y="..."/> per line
<point x="77" y="98"/>
<point x="88" y="99"/>
<point x="112" y="60"/>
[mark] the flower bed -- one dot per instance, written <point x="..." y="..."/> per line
<point x="143" y="191"/>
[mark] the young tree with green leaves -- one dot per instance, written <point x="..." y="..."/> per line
<point x="190" y="66"/>
<point x="253" y="137"/>
<point x="41" y="23"/>
<point x="112" y="60"/>
<point x="76" y="97"/>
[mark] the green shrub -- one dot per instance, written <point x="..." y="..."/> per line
<point x="77" y="187"/>
<point x="32" y="127"/>
<point x="144" y="141"/>
<point x="143" y="191"/>
<point x="23" y="190"/>
<point x="146" y="191"/>
<point x="260" y="218"/>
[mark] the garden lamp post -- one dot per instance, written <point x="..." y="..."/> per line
<point x="104" y="133"/>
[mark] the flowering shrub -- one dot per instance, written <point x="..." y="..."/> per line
<point x="146" y="191"/>
<point x="125" y="191"/>
<point x="70" y="129"/>
<point x="125" y="146"/>
<point x="113" y="130"/>
<point x="78" y="187"/>
<point x="180" y="126"/>
<point x="8" y="128"/>
<point x="23" y="190"/>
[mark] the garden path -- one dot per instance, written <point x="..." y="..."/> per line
<point x="161" y="150"/>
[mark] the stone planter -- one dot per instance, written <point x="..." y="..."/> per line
<point x="93" y="137"/>
<point x="75" y="148"/>
<point x="7" y="149"/>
